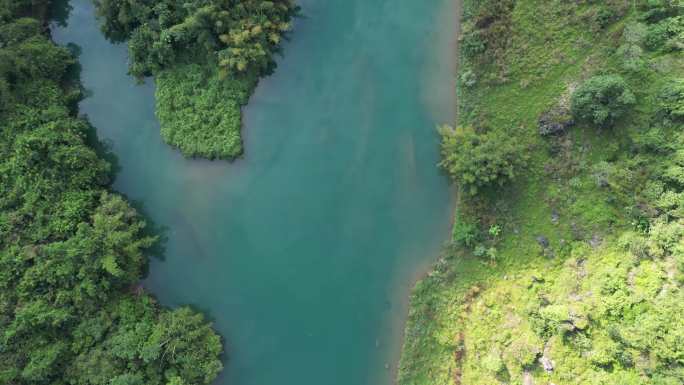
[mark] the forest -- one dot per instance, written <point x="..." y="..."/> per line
<point x="569" y="233"/>
<point x="72" y="252"/>
<point x="206" y="57"/>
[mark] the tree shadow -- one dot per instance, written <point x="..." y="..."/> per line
<point x="72" y="78"/>
<point x="59" y="11"/>
<point x="152" y="229"/>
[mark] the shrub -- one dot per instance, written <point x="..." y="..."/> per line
<point x="465" y="233"/>
<point x="602" y="100"/>
<point x="672" y="99"/>
<point x="667" y="34"/>
<point x="656" y="10"/>
<point x="480" y="160"/>
<point x="605" y="17"/>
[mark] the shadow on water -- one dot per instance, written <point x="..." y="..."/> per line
<point x="152" y="229"/>
<point x="59" y="11"/>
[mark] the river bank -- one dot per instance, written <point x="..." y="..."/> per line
<point x="444" y="107"/>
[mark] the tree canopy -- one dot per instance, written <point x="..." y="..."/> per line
<point x="206" y="56"/>
<point x="71" y="251"/>
<point x="602" y="100"/>
<point x="477" y="160"/>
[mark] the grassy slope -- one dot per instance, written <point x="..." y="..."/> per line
<point x="469" y="320"/>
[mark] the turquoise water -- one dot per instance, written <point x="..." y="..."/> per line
<point x="303" y="252"/>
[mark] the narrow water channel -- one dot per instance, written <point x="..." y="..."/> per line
<point x="303" y="252"/>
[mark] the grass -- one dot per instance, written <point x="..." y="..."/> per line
<point x="472" y="320"/>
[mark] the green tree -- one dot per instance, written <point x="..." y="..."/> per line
<point x="602" y="100"/>
<point x="477" y="160"/>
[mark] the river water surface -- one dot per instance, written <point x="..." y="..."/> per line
<point x="302" y="253"/>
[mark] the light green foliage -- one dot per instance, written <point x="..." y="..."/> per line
<point x="477" y="160"/>
<point x="587" y="283"/>
<point x="71" y="251"/>
<point x="602" y="100"/>
<point x="190" y="98"/>
<point x="207" y="56"/>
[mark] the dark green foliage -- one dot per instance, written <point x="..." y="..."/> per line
<point x="672" y="99"/>
<point x="224" y="46"/>
<point x="653" y="11"/>
<point x="240" y="36"/>
<point x="486" y="28"/>
<point x="466" y="233"/>
<point x="667" y="34"/>
<point x="71" y="251"/>
<point x="601" y="100"/>
<point x="477" y="160"/>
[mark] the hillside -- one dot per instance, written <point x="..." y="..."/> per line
<point x="566" y="264"/>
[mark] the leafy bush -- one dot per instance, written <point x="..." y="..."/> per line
<point x="240" y="36"/>
<point x="602" y="100"/>
<point x="668" y="35"/>
<point x="465" y="233"/>
<point x="672" y="99"/>
<point x="190" y="98"/>
<point x="657" y="10"/>
<point x="485" y="29"/>
<point x="480" y="160"/>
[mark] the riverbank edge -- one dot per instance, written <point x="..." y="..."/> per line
<point x="424" y="271"/>
<point x="137" y="289"/>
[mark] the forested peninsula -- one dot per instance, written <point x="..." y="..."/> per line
<point x="72" y="251"/>
<point x="206" y="57"/>
<point x="566" y="264"/>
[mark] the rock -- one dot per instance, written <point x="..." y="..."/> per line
<point x="555" y="121"/>
<point x="527" y="378"/>
<point x="555" y="217"/>
<point x="546" y="363"/>
<point x="577" y="231"/>
<point x="543" y="241"/>
<point x="595" y="241"/>
<point x="545" y="359"/>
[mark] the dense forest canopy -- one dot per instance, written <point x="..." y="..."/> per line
<point x="206" y="55"/>
<point x="238" y="36"/>
<point x="71" y="251"/>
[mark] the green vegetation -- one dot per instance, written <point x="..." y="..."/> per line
<point x="207" y="57"/>
<point x="71" y="251"/>
<point x="479" y="160"/>
<point x="573" y="271"/>
<point x="602" y="100"/>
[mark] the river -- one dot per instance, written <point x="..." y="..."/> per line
<point x="302" y="253"/>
